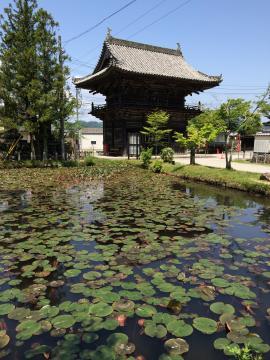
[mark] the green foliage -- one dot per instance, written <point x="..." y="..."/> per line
<point x="244" y="353"/>
<point x="157" y="166"/>
<point x="263" y="104"/>
<point x="156" y="127"/>
<point x="237" y="116"/>
<point x="201" y="130"/>
<point x="167" y="155"/>
<point x="32" y="78"/>
<point x="70" y="163"/>
<point x="89" y="161"/>
<point x="146" y="156"/>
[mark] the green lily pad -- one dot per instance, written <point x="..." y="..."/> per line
<point x="117" y="338"/>
<point x="63" y="321"/>
<point x="205" y="325"/>
<point x="101" y="309"/>
<point x="221" y="343"/>
<point x="221" y="308"/>
<point x="179" y="328"/>
<point x="176" y="346"/>
<point x="145" y="311"/>
<point x="6" y="309"/>
<point x="72" y="273"/>
<point x="154" y="330"/>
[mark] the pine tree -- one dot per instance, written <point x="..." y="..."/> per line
<point x="33" y="74"/>
<point x="19" y="67"/>
<point x="46" y="48"/>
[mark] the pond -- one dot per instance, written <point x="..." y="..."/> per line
<point x="139" y="266"/>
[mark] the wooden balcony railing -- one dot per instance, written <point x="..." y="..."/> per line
<point x="139" y="104"/>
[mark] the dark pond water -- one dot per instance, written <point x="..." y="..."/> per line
<point x="117" y="270"/>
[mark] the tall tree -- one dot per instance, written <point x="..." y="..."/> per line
<point x="65" y="103"/>
<point x="156" y="127"/>
<point x="19" y="66"/>
<point x="201" y="130"/>
<point x="46" y="49"/>
<point x="33" y="74"/>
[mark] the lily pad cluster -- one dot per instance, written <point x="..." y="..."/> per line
<point x="83" y="264"/>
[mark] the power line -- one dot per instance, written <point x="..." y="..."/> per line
<point x="160" y="18"/>
<point x="141" y="16"/>
<point x="127" y="26"/>
<point x="100" y="22"/>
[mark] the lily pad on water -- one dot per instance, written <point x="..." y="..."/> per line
<point x="123" y="305"/>
<point x="27" y="329"/>
<point x="176" y="346"/>
<point x="6" y="308"/>
<point x="221" y="308"/>
<point x="179" y="328"/>
<point x="154" y="330"/>
<point x="72" y="273"/>
<point x="19" y="313"/>
<point x="4" y="339"/>
<point x="117" y="338"/>
<point x="145" y="311"/>
<point x="63" y="321"/>
<point x="221" y="343"/>
<point x="101" y="309"/>
<point x="205" y="325"/>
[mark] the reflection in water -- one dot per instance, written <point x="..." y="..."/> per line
<point x="146" y="240"/>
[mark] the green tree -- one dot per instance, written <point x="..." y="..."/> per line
<point x="201" y="130"/>
<point x="19" y="66"/>
<point x="263" y="104"/>
<point x="237" y="117"/>
<point x="46" y="49"/>
<point x="33" y="74"/>
<point x="156" y="127"/>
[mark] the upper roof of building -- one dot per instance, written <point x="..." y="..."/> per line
<point x="138" y="58"/>
<point x="92" y="131"/>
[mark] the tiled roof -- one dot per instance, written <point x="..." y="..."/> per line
<point x="146" y="59"/>
<point x="92" y="131"/>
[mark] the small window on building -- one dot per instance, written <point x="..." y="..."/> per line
<point x="93" y="142"/>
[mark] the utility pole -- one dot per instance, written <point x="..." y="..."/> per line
<point x="77" y="122"/>
<point x="61" y="98"/>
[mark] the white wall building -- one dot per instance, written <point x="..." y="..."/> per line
<point x="91" y="139"/>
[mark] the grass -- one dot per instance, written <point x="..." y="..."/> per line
<point x="240" y="180"/>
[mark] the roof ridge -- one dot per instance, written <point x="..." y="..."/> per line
<point x="142" y="46"/>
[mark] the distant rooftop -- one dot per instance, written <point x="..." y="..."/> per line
<point x="92" y="131"/>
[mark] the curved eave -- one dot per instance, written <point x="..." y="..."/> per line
<point x="86" y="81"/>
<point x="89" y="80"/>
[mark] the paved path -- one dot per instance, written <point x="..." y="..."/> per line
<point x="213" y="160"/>
<point x="217" y="162"/>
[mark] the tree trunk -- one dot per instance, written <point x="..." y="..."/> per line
<point x="192" y="156"/>
<point x="228" y="156"/>
<point x="33" y="151"/>
<point x="45" y="143"/>
<point x="62" y="138"/>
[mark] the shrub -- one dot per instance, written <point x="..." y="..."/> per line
<point x="89" y="161"/>
<point x="146" y="156"/>
<point x="70" y="163"/>
<point x="167" y="155"/>
<point x="157" y="165"/>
